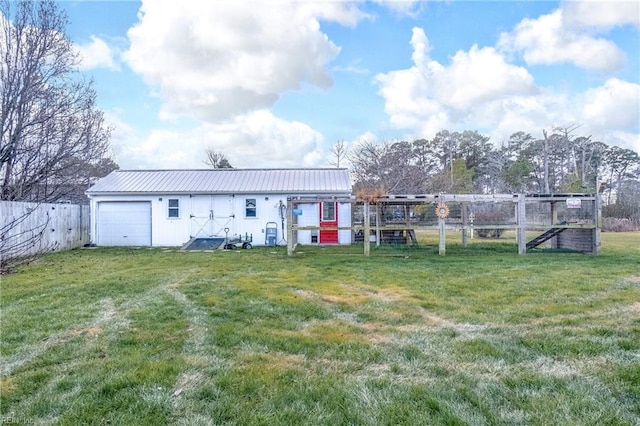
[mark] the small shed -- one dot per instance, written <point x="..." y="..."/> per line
<point x="172" y="207"/>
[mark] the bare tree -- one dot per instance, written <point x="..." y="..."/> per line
<point x="52" y="135"/>
<point x="217" y="159"/>
<point x="396" y="167"/>
<point x="339" y="152"/>
<point x="49" y="122"/>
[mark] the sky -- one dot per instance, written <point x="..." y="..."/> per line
<point x="277" y="83"/>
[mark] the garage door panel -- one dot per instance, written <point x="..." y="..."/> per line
<point x="124" y="224"/>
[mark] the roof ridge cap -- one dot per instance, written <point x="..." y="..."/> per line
<point x="232" y="169"/>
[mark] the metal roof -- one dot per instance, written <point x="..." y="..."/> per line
<point x="225" y="181"/>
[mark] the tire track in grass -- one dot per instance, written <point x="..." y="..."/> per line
<point x="30" y="352"/>
<point x="195" y="350"/>
<point x="50" y="393"/>
<point x="198" y="357"/>
<point x="109" y="316"/>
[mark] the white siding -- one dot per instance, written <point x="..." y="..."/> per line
<point x="228" y="211"/>
<point x="344" y="219"/>
<point x="310" y="217"/>
<point x="170" y="231"/>
<point x="267" y="210"/>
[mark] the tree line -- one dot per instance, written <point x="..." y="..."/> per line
<point x="468" y="162"/>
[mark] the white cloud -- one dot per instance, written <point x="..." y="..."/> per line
<point x="430" y="96"/>
<point x="547" y="40"/>
<point x="609" y="113"/>
<point x="96" y="54"/>
<point x="479" y="90"/>
<point x="409" y="8"/>
<point x="257" y="139"/>
<point x="216" y="60"/>
<point x="596" y="111"/>
<point x="628" y="140"/>
<point x="601" y="15"/>
<point x="530" y="114"/>
<point x="409" y="93"/>
<point x="613" y="106"/>
<point x="367" y="136"/>
<point x="480" y="75"/>
<point x="355" y="67"/>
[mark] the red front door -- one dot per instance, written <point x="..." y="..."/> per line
<point x="328" y="217"/>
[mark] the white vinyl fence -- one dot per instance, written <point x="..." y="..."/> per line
<point x="31" y="228"/>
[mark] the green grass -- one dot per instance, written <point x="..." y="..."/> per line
<point x="479" y="336"/>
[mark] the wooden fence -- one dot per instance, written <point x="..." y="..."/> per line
<point x="31" y="228"/>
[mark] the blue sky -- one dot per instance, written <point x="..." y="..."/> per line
<point x="277" y="83"/>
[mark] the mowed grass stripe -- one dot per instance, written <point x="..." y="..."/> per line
<point x="480" y="336"/>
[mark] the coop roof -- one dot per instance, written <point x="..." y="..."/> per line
<point x="225" y="181"/>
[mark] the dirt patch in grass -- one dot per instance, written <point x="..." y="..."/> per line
<point x="87" y="331"/>
<point x="432" y="322"/>
<point x="186" y="382"/>
<point x="386" y="294"/>
<point x="7" y="385"/>
<point x="376" y="333"/>
<point x="334" y="331"/>
<point x="353" y="295"/>
<point x="272" y="360"/>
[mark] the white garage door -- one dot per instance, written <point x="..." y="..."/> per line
<point x="124" y="224"/>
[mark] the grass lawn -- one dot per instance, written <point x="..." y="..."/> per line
<point x="480" y="336"/>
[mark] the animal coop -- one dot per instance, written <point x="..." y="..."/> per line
<point x="563" y="221"/>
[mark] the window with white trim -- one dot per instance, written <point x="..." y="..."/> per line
<point x="328" y="212"/>
<point x="250" y="209"/>
<point x="174" y="208"/>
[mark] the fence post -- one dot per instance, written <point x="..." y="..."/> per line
<point x="367" y="230"/>
<point x="442" y="246"/>
<point x="290" y="242"/>
<point x="522" y="224"/>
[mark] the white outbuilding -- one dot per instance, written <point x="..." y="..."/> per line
<point x="173" y="207"/>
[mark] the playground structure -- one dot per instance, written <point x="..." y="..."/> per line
<point x="566" y="221"/>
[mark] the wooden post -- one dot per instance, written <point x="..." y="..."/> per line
<point x="597" y="220"/>
<point x="464" y="224"/>
<point x="378" y="233"/>
<point x="554" y="213"/>
<point x="521" y="217"/>
<point x="290" y="243"/>
<point x="367" y="230"/>
<point x="442" y="247"/>
<point x="464" y="236"/>
<point x="553" y="242"/>
<point x="407" y="234"/>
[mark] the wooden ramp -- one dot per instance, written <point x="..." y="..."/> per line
<point x="553" y="232"/>
<point x="412" y="236"/>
